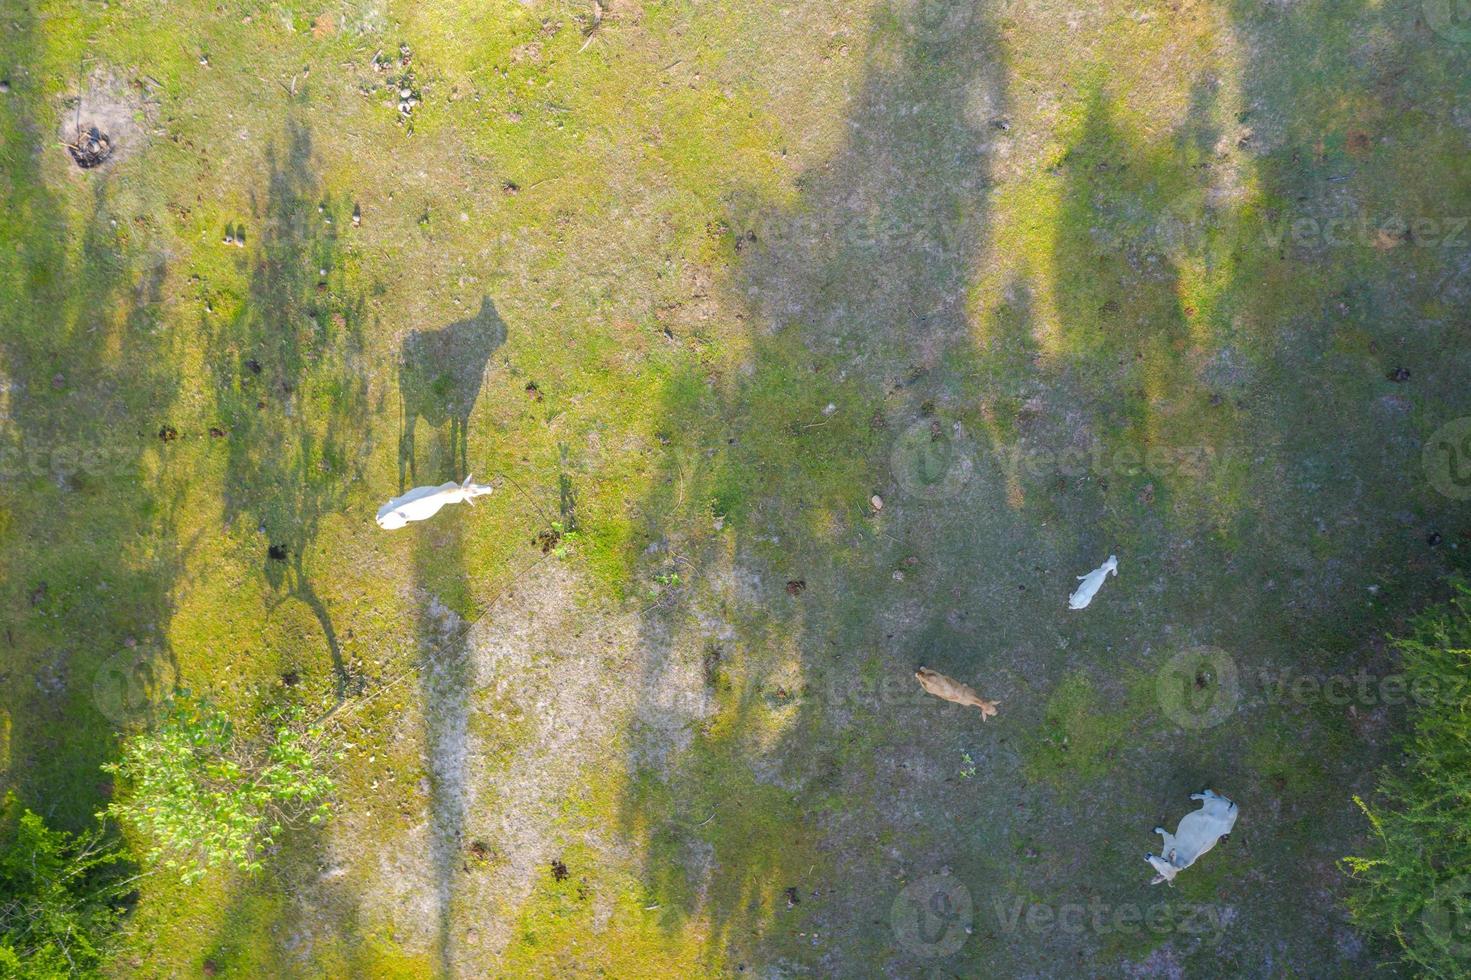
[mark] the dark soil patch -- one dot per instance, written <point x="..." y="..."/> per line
<point x="276" y="552"/>
<point x="168" y="433"/>
<point x="559" y="870"/>
<point x="90" y="149"/>
<point x="796" y="587"/>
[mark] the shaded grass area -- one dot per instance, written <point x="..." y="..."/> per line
<point x="745" y="272"/>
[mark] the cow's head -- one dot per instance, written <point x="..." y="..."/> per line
<point x="1166" y="869"/>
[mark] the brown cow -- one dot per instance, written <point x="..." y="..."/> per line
<point x="952" y="690"/>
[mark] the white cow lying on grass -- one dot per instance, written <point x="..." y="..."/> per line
<point x="1091" y="583"/>
<point x="1197" y="833"/>
<point x="422" y="503"/>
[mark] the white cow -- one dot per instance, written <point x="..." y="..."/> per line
<point x="1091" y="583"/>
<point x="1198" y="832"/>
<point x="422" y="503"/>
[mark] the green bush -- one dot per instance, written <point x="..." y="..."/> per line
<point x="60" y="897"/>
<point x="1415" y="885"/>
<point x="205" y="796"/>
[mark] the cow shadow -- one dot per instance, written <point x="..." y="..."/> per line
<point x="439" y="378"/>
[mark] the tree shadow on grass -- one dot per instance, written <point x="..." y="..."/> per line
<point x="757" y="814"/>
<point x="1163" y="328"/>
<point x="290" y="386"/>
<point x="88" y="547"/>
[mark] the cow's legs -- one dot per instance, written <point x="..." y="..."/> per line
<point x="406" y="453"/>
<point x="460" y="446"/>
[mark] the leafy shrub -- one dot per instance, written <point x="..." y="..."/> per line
<point x="60" y="897"/>
<point x="1416" y="883"/>
<point x="205" y="796"/>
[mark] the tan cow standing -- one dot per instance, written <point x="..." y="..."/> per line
<point x="952" y="690"/>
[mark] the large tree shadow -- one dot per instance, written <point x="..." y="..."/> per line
<point x="290" y="388"/>
<point x="446" y="678"/>
<point x="1169" y="329"/>
<point x="858" y="329"/>
<point x="90" y="554"/>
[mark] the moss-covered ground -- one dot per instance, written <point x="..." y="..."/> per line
<point x="692" y="283"/>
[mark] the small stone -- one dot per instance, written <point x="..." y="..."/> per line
<point x="831" y="408"/>
<point x="1433" y="538"/>
<point x="876" y="502"/>
<point x="405" y="93"/>
<point x="4" y="87"/>
<point x="1399" y="375"/>
<point x="898" y="575"/>
<point x="58" y="381"/>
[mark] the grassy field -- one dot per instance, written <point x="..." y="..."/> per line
<point x="805" y="343"/>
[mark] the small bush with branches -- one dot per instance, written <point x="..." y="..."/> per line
<point x="60" y="897"/>
<point x="204" y="796"/>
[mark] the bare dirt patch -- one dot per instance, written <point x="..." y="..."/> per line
<point x="106" y="122"/>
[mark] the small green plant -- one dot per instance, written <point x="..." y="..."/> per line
<point x="1415" y="882"/>
<point x="205" y="796"/>
<point x="967" y="771"/>
<point x="60" y="897"/>
<point x="566" y="537"/>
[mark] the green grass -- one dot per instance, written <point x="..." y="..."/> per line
<point x="702" y="225"/>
